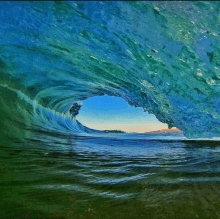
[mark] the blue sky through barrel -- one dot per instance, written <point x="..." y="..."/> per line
<point x="110" y="113"/>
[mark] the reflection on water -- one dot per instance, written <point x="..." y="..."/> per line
<point x="51" y="176"/>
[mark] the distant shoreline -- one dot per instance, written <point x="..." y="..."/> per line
<point x="114" y="131"/>
<point x="166" y="130"/>
<point x="158" y="131"/>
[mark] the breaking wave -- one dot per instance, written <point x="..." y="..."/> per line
<point x="161" y="56"/>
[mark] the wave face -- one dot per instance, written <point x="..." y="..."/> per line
<point x="162" y="56"/>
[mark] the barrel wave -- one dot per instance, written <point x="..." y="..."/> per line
<point x="157" y="55"/>
<point x="161" y="56"/>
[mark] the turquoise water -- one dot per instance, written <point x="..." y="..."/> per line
<point x="161" y="56"/>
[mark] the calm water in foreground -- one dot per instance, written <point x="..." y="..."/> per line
<point x="62" y="176"/>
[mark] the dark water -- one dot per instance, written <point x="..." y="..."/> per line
<point x="62" y="176"/>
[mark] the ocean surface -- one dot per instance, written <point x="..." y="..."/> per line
<point x="161" y="56"/>
<point x="53" y="175"/>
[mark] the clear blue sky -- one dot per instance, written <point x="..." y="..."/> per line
<point x="108" y="113"/>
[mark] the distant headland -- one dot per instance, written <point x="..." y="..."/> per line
<point x="167" y="130"/>
<point x="114" y="131"/>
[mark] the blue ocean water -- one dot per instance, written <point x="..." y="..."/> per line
<point x="161" y="56"/>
